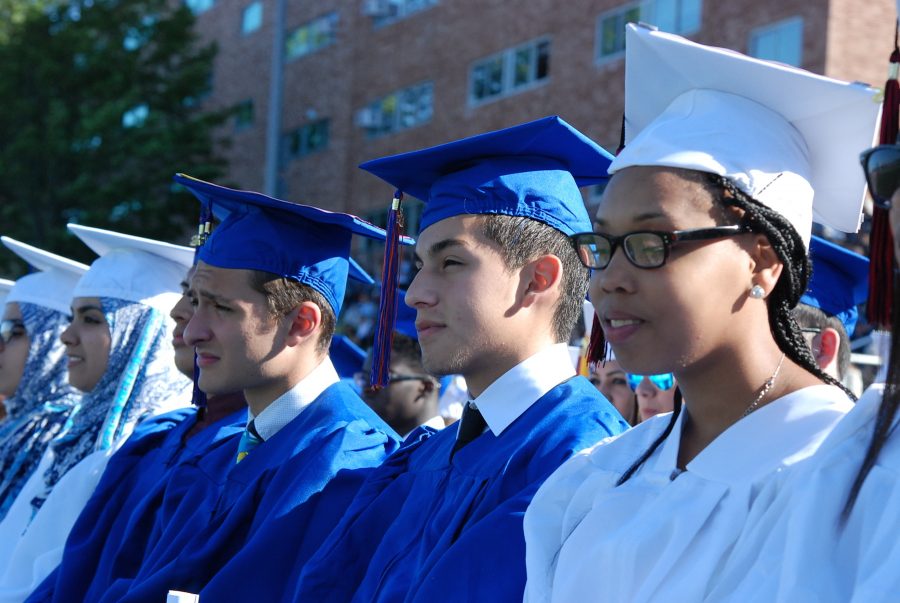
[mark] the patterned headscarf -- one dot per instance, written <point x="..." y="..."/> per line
<point x="140" y="379"/>
<point x="40" y="406"/>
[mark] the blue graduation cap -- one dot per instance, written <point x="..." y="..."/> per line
<point x="299" y="242"/>
<point x="839" y="283"/>
<point x="531" y="170"/>
<point x="406" y="318"/>
<point x="347" y="357"/>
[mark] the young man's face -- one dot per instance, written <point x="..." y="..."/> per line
<point x="465" y="299"/>
<point x="235" y="338"/>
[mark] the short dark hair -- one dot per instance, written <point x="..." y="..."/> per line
<point x="283" y="295"/>
<point x="406" y="349"/>
<point x="521" y="240"/>
<point x="810" y="317"/>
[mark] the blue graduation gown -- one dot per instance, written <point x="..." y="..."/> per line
<point x="427" y="528"/>
<point x="304" y="476"/>
<point x="136" y="474"/>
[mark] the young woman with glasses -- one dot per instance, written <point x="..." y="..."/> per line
<point x="698" y="254"/>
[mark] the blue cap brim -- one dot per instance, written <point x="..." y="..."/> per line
<point x="839" y="283"/>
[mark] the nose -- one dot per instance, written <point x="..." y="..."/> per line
<point x="181" y="312"/>
<point x="196" y="331"/>
<point x="68" y="336"/>
<point x="645" y="389"/>
<point x="617" y="276"/>
<point x="419" y="294"/>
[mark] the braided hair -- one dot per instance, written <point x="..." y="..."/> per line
<point x="791" y="285"/>
<point x="887" y="412"/>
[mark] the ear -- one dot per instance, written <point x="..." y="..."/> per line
<point x="766" y="266"/>
<point x="305" y="321"/>
<point x="541" y="276"/>
<point x="829" y="343"/>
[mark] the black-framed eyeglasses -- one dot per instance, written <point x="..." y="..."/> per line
<point x="645" y="248"/>
<point x="10" y="328"/>
<point x="881" y="165"/>
<point x="362" y="378"/>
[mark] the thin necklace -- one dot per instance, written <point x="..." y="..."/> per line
<point x="765" y="389"/>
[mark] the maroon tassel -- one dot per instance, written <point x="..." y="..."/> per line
<point x="387" y="308"/>
<point x="596" y="352"/>
<point x="881" y="242"/>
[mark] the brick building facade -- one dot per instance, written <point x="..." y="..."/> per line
<point x="367" y="78"/>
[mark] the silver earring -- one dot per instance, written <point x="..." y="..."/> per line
<point x="757" y="292"/>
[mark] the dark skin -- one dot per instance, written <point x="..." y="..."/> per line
<point x="404" y="405"/>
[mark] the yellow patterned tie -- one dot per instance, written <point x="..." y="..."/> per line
<point x="249" y="440"/>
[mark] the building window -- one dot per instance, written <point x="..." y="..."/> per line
<point x="307" y="139"/>
<point x="681" y="17"/>
<point x="385" y="12"/>
<point x="399" y="110"/>
<point x="312" y="36"/>
<point x="252" y="18"/>
<point x="782" y="42"/>
<point x="243" y="115"/>
<point x="510" y="71"/>
<point x="199" y="6"/>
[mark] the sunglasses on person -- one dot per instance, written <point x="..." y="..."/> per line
<point x="662" y="382"/>
<point x="881" y="165"/>
<point x="645" y="248"/>
<point x="362" y="378"/>
<point x="11" y="328"/>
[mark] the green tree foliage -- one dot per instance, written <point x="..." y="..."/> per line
<point x="100" y="107"/>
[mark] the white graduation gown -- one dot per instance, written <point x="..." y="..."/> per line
<point x="656" y="538"/>
<point x="795" y="548"/>
<point x="31" y="548"/>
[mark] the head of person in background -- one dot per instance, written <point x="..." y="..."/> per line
<point x="119" y="342"/>
<point x="410" y="398"/>
<point x="655" y="393"/>
<point x="611" y="380"/>
<point x="33" y="364"/>
<point x="828" y="311"/>
<point x="215" y="407"/>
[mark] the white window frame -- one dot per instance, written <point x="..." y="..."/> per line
<point x="331" y="21"/>
<point x="372" y="119"/>
<point x="507" y="57"/>
<point x="387" y="12"/>
<point x="647" y="10"/>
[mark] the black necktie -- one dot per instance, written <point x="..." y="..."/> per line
<point x="471" y="425"/>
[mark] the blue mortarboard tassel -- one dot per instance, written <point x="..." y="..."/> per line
<point x="387" y="308"/>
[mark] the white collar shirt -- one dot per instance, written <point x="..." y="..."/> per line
<point x="507" y="398"/>
<point x="291" y="403"/>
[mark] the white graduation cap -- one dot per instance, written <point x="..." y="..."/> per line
<point x="52" y="284"/>
<point x="133" y="268"/>
<point x="788" y="138"/>
<point x="5" y="286"/>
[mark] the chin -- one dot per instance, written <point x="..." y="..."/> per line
<point x="185" y="365"/>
